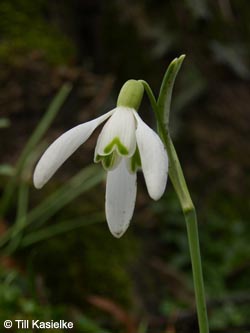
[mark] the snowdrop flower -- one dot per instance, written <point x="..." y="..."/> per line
<point x="124" y="145"/>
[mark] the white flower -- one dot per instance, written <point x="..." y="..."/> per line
<point x="125" y="144"/>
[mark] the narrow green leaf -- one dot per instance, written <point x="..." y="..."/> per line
<point x="83" y="181"/>
<point x="60" y="228"/>
<point x="23" y="199"/>
<point x="165" y="95"/>
<point x="22" y="208"/>
<point x="42" y="127"/>
<point x="6" y="170"/>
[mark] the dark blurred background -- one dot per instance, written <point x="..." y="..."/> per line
<point x="141" y="283"/>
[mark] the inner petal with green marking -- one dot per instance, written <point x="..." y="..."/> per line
<point x="109" y="162"/>
<point x="135" y="161"/>
<point x="118" y="134"/>
<point x="116" y="144"/>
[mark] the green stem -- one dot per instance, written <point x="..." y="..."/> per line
<point x="149" y="93"/>
<point x="194" y="247"/>
<point x="180" y="186"/>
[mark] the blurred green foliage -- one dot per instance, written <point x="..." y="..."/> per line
<point x="18" y="302"/>
<point x="24" y="27"/>
<point x="88" y="262"/>
<point x="225" y="248"/>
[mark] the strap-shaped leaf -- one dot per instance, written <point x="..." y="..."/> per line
<point x="165" y="95"/>
<point x="36" y="136"/>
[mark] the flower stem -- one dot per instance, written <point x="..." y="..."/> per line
<point x="189" y="212"/>
<point x="180" y="186"/>
<point x="194" y="247"/>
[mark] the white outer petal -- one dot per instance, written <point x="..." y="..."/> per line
<point x="60" y="150"/>
<point x="154" y="159"/>
<point x="122" y="125"/>
<point x="120" y="199"/>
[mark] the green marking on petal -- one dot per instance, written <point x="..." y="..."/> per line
<point x="135" y="161"/>
<point x="98" y="158"/>
<point x="109" y="162"/>
<point x="116" y="142"/>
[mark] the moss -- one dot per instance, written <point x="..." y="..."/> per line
<point x="24" y="27"/>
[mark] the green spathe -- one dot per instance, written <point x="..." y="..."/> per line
<point x="131" y="94"/>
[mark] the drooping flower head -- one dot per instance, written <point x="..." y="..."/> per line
<point x="125" y="144"/>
